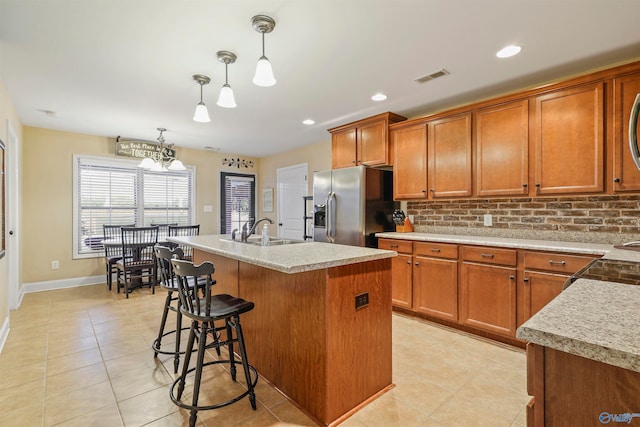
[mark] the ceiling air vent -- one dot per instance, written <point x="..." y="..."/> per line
<point x="432" y="76"/>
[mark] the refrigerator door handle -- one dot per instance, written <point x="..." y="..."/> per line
<point x="331" y="218"/>
<point x="327" y="225"/>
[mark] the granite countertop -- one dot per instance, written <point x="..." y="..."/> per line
<point x="540" y="245"/>
<point x="290" y="258"/>
<point x="595" y="319"/>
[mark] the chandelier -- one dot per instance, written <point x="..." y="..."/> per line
<point x="165" y="160"/>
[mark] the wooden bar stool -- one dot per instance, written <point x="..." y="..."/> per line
<point x="169" y="283"/>
<point x="203" y="312"/>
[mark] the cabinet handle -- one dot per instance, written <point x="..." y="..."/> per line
<point x="524" y="185"/>
<point x="616" y="180"/>
<point x="525" y="280"/>
<point x="432" y="190"/>
<point x="393" y="246"/>
<point x="424" y="191"/>
<point x="512" y="277"/>
<point x="538" y="184"/>
<point x="354" y="161"/>
<point x="435" y="250"/>
<point x="552" y="262"/>
<point x="409" y="262"/>
<point x="417" y="264"/>
<point x="486" y="255"/>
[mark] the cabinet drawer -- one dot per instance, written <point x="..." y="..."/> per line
<point x="489" y="255"/>
<point x="400" y="246"/>
<point x="435" y="250"/>
<point x="561" y="263"/>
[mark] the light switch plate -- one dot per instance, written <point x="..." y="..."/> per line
<point x="208" y="208"/>
<point x="488" y="220"/>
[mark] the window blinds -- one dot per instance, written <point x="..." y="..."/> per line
<point x="117" y="192"/>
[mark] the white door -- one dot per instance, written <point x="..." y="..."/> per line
<point x="12" y="168"/>
<point x="292" y="187"/>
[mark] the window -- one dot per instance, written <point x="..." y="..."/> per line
<point x="237" y="201"/>
<point x="115" y="191"/>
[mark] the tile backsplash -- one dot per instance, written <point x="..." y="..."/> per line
<point x="597" y="219"/>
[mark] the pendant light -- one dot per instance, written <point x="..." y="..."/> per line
<point x="166" y="161"/>
<point x="201" y="115"/>
<point x="226" y="98"/>
<point x="264" y="73"/>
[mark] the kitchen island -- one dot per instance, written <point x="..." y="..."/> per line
<point x="583" y="356"/>
<point x="306" y="336"/>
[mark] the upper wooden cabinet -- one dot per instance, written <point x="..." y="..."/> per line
<point x="502" y="149"/>
<point x="569" y="140"/>
<point x="626" y="176"/>
<point x="449" y="156"/>
<point x="365" y="142"/>
<point x="410" y="162"/>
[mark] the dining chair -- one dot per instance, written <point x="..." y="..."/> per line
<point x="138" y="265"/>
<point x="185" y="230"/>
<point x="112" y="253"/>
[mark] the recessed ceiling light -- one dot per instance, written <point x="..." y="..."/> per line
<point x="379" y="97"/>
<point x="508" y="51"/>
<point x="309" y="122"/>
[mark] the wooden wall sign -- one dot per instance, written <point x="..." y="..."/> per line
<point x="141" y="149"/>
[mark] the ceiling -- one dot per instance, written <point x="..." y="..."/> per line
<point x="124" y="67"/>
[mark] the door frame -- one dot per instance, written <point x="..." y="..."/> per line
<point x="13" y="150"/>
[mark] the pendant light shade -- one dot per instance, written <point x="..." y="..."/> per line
<point x="176" y="165"/>
<point x="147" y="163"/>
<point x="201" y="114"/>
<point x="226" y="98"/>
<point x="264" y="72"/>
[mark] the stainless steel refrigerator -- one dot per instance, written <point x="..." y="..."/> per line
<point x="352" y="204"/>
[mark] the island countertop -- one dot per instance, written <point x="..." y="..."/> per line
<point x="290" y="258"/>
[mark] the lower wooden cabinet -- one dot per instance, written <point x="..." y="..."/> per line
<point x="481" y="287"/>
<point x="435" y="280"/>
<point x="543" y="278"/>
<point x="402" y="268"/>
<point x="488" y="297"/>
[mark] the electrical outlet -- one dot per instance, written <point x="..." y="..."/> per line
<point x="55" y="265"/>
<point x="488" y="220"/>
<point x="362" y="300"/>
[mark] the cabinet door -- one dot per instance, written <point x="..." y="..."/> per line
<point x="449" y="152"/>
<point x="410" y="166"/>
<point x="488" y="298"/>
<point x="435" y="287"/>
<point x="372" y="146"/>
<point x="401" y="281"/>
<point x="569" y="141"/>
<point x="502" y="149"/>
<point x="539" y="290"/>
<point x="626" y="176"/>
<point x="343" y="148"/>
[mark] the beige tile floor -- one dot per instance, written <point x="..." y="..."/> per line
<point x="81" y="357"/>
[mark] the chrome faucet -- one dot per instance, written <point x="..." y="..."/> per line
<point x="255" y="224"/>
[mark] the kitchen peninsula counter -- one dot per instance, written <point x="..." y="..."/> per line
<point x="305" y="335"/>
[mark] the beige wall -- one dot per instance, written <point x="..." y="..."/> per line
<point x="47" y="217"/>
<point x="317" y="156"/>
<point x="7" y="115"/>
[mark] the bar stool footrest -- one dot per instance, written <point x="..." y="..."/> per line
<point x="249" y="392"/>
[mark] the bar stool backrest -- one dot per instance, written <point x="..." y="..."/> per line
<point x="186" y="272"/>
<point x="164" y="256"/>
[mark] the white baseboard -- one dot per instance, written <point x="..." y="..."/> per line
<point x="59" y="284"/>
<point x="4" y="332"/>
